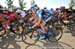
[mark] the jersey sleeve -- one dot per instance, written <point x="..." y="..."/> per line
<point x="39" y="13"/>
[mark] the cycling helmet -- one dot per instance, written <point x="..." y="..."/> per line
<point x="33" y="7"/>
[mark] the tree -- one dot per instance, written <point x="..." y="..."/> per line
<point x="33" y="2"/>
<point x="9" y="3"/>
<point x="13" y="7"/>
<point x="1" y="6"/>
<point x="72" y="4"/>
<point x="22" y="4"/>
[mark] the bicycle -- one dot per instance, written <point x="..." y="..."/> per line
<point x="16" y="27"/>
<point x="49" y="37"/>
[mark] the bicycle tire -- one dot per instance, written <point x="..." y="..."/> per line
<point x="25" y="38"/>
<point x="53" y="36"/>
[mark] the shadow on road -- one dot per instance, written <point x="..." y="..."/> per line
<point x="9" y="42"/>
<point x="68" y="46"/>
<point x="46" y="45"/>
<point x="53" y="45"/>
<point x="50" y="45"/>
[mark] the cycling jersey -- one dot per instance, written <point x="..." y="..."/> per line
<point x="11" y="16"/>
<point x="51" y="11"/>
<point x="39" y="13"/>
<point x="22" y="13"/>
<point x="47" y="13"/>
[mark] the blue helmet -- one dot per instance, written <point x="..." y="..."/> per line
<point x="34" y="7"/>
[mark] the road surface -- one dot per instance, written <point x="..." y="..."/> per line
<point x="10" y="42"/>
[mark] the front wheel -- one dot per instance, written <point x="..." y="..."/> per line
<point x="30" y="38"/>
<point x="55" y="36"/>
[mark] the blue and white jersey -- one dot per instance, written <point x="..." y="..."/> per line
<point x="39" y="13"/>
<point x="47" y="11"/>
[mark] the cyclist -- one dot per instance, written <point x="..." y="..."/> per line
<point x="4" y="19"/>
<point x="11" y="15"/>
<point x="20" y="15"/>
<point x="52" y="11"/>
<point x="46" y="13"/>
<point x="37" y="16"/>
<point x="21" y="12"/>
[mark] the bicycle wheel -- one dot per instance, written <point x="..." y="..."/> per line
<point x="72" y="29"/>
<point x="2" y="31"/>
<point x="55" y="36"/>
<point x="30" y="38"/>
<point x="17" y="29"/>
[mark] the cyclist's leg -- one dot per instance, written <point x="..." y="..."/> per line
<point x="37" y="22"/>
<point x="43" y="27"/>
<point x="43" y="35"/>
